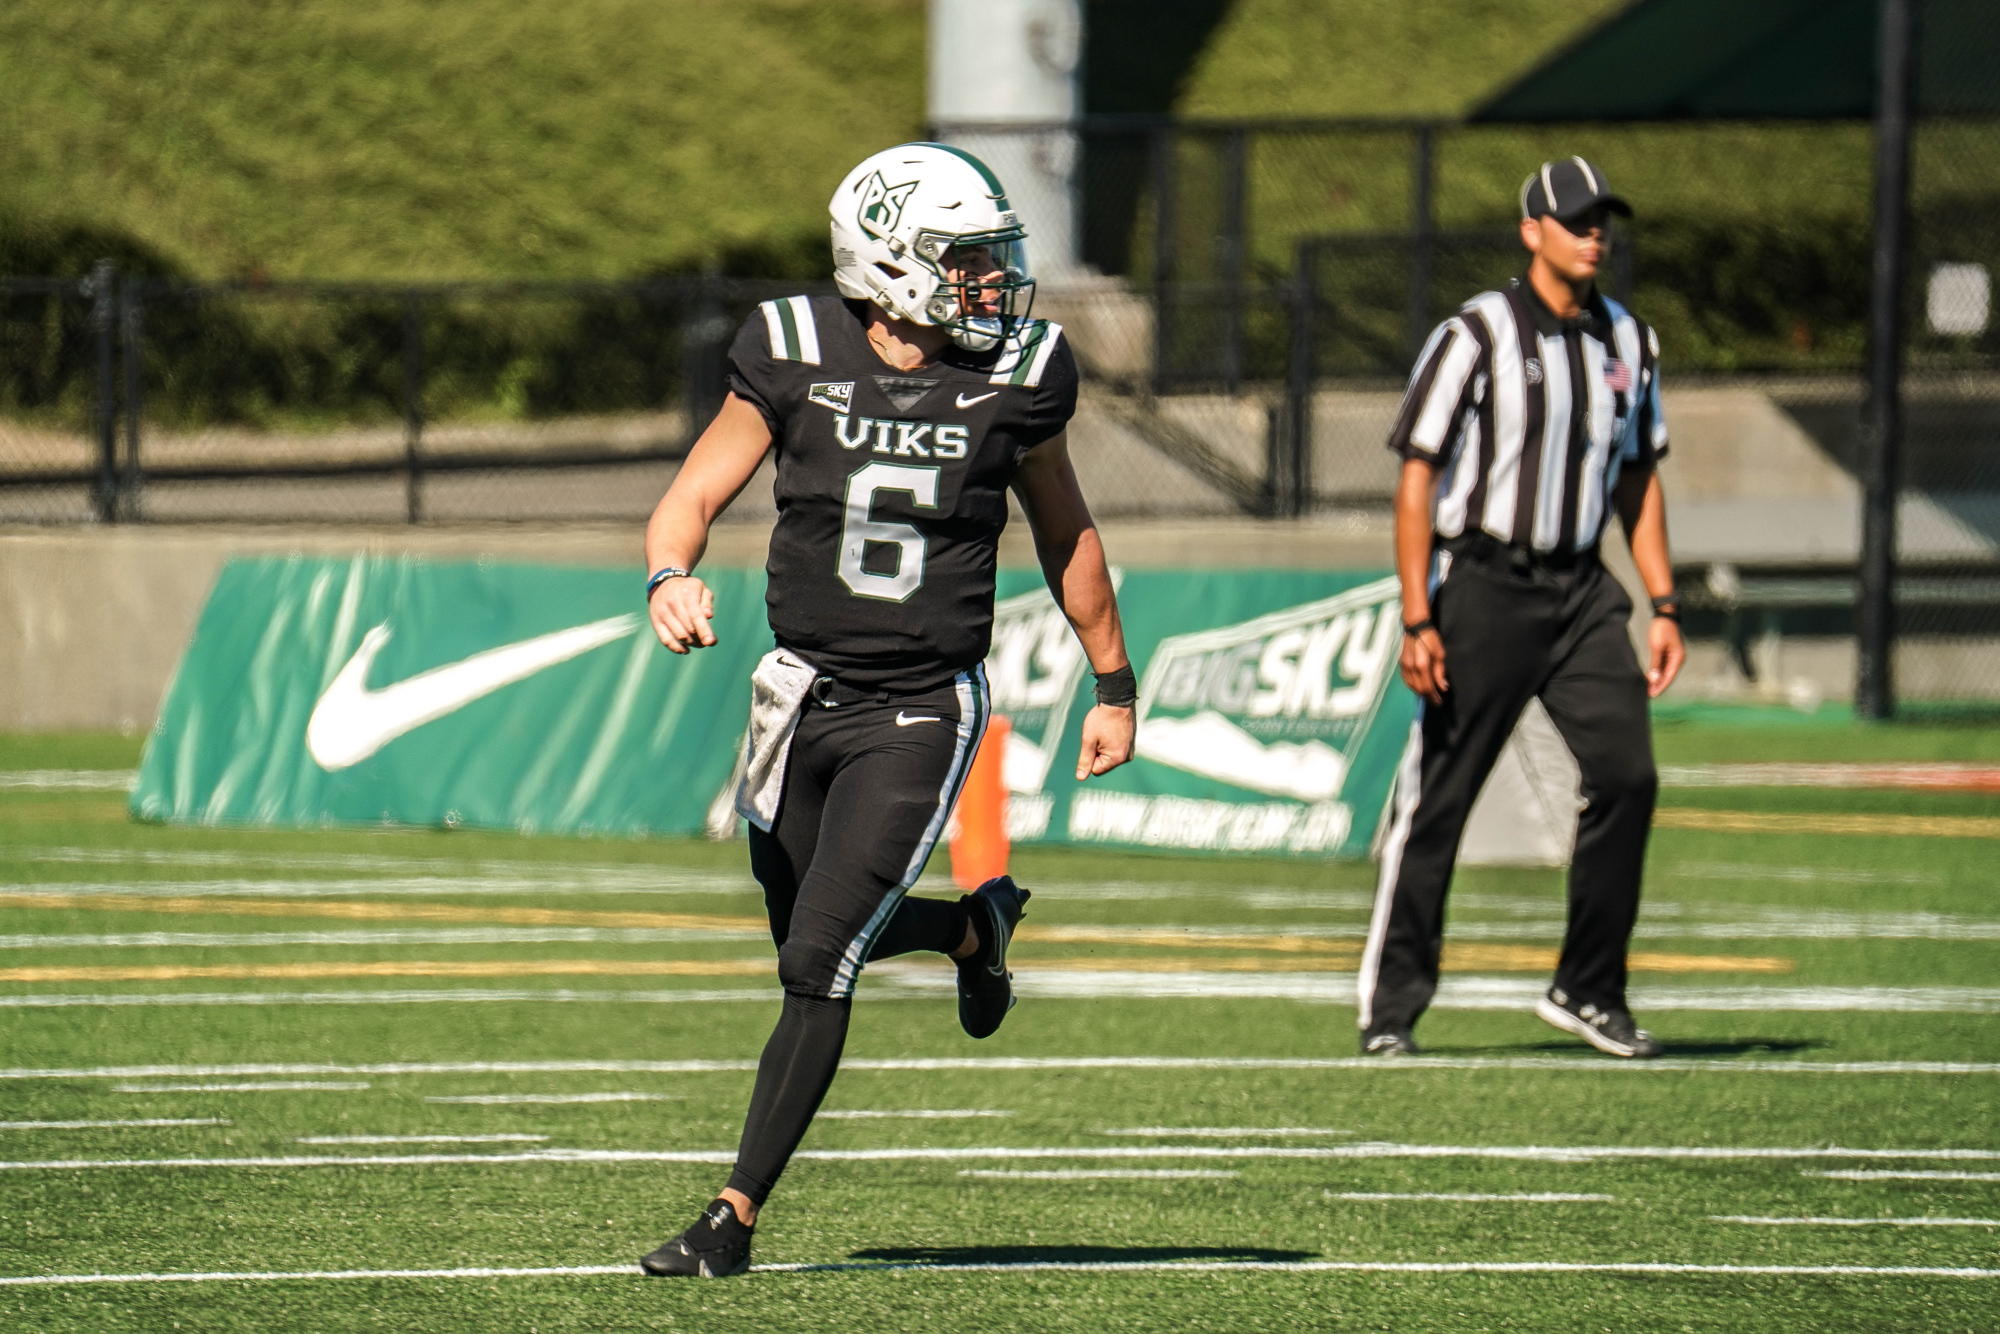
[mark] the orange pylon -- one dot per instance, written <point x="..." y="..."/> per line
<point x="979" y="845"/>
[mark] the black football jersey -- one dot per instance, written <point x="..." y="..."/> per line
<point x="892" y="485"/>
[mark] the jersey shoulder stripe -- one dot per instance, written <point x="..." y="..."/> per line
<point x="794" y="335"/>
<point x="1025" y="353"/>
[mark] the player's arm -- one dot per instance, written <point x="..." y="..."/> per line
<point x="720" y="465"/>
<point x="1642" y="508"/>
<point x="1072" y="557"/>
<point x="1423" y="654"/>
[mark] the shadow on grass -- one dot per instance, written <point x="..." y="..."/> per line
<point x="1090" y="1255"/>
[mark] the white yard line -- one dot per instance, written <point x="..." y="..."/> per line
<point x="1543" y="1197"/>
<point x="1108" y="1174"/>
<point x="463" y="882"/>
<point x="455" y="995"/>
<point x="1222" y="1132"/>
<point x="476" y="935"/>
<point x="1855" y="1222"/>
<point x="1022" y="1064"/>
<point x="113" y="1125"/>
<point x="914" y="1114"/>
<point x="512" y="1099"/>
<point x="1337" y="989"/>
<point x="69" y="780"/>
<point x="1047" y="1266"/>
<point x="1907" y="1176"/>
<point x="422" y="1139"/>
<point x="1584" y="1153"/>
<point x="257" y="1086"/>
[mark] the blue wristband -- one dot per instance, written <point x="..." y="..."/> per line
<point x="660" y="576"/>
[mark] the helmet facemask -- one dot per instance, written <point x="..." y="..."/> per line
<point x="983" y="284"/>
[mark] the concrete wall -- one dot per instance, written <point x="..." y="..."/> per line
<point x="93" y="620"/>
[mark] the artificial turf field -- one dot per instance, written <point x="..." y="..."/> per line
<point x="236" y="1052"/>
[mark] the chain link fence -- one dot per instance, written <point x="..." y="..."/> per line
<point x="1245" y="301"/>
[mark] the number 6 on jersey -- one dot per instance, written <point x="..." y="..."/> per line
<point x="860" y="529"/>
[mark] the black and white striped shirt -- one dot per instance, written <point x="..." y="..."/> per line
<point x="1532" y="418"/>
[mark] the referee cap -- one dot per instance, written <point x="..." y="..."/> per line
<point x="1567" y="188"/>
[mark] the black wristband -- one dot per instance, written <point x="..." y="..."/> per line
<point x="1668" y="606"/>
<point x="1414" y="630"/>
<point x="1120" y="689"/>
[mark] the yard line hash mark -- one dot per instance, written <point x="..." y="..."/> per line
<point x="148" y="1121"/>
<point x="1537" y="1197"/>
<point x="1855" y="1222"/>
<point x="1907" y="1176"/>
<point x="255" y="1086"/>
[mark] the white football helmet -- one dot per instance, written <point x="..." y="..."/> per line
<point x="896" y="219"/>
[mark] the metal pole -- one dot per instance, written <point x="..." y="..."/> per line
<point x="104" y="323"/>
<point x="130" y="325"/>
<point x="1422" y="169"/>
<point x="1293" y="494"/>
<point x="1235" y="247"/>
<point x="413" y="401"/>
<point x="1163" y="256"/>
<point x="1875" y="611"/>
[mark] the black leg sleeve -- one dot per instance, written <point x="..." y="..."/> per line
<point x="792" y="1078"/>
<point x="922" y="924"/>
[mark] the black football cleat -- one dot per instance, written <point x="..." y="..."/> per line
<point x="1610" y="1031"/>
<point x="1388" y="1042"/>
<point x="985" y="987"/>
<point x="717" y="1246"/>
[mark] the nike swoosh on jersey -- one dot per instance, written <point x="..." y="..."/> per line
<point x="965" y="402"/>
<point x="351" y="722"/>
<point x="904" y="719"/>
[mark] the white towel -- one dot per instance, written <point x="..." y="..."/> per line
<point x="777" y="690"/>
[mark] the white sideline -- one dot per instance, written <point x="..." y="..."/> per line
<point x="1855" y="1222"/>
<point x="509" y="1099"/>
<point x="1539" y="1197"/>
<point x="1908" y="1176"/>
<point x="111" y="1125"/>
<point x="256" y="1086"/>
<point x="913" y="1114"/>
<point x="1012" y="1064"/>
<point x="422" y="1139"/>
<point x="1053" y="1266"/>
<point x="1109" y="1173"/>
<point x="1585" y="1153"/>
<point x="1220" y="1132"/>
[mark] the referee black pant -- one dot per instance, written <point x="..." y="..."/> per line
<point x="1516" y="629"/>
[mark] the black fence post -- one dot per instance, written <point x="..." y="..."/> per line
<point x="1235" y="253"/>
<point x="1292" y="493"/>
<point x="1875" y="614"/>
<point x="131" y="331"/>
<point x="413" y="402"/>
<point x="104" y="323"/>
<point x="1422" y="170"/>
<point x="1163" y="257"/>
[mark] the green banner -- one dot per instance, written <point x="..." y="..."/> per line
<point x="536" y="698"/>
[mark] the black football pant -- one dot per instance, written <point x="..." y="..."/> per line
<point x="1514" y="631"/>
<point x="869" y="783"/>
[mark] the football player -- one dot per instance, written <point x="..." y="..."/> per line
<point x="902" y="412"/>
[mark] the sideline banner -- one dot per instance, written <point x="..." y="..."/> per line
<point x="535" y="698"/>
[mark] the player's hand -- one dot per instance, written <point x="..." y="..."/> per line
<point x="1664" y="655"/>
<point x="1423" y="665"/>
<point x="1108" y="730"/>
<point x="681" y="609"/>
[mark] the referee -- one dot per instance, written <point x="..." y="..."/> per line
<point x="1533" y="414"/>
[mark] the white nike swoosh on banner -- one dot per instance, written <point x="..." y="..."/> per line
<point x="904" y="720"/>
<point x="351" y="722"/>
<point x="965" y="402"/>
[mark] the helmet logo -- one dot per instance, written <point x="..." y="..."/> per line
<point x="882" y="205"/>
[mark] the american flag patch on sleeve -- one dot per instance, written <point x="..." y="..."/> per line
<point x="1617" y="375"/>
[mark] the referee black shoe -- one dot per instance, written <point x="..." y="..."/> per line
<point x="1388" y="1042"/>
<point x="985" y="987"/>
<point x="1609" y="1031"/>
<point x="717" y="1246"/>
